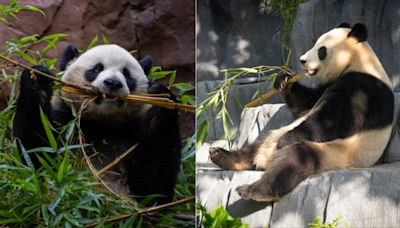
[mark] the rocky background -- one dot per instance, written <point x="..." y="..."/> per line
<point x="163" y="29"/>
<point x="364" y="197"/>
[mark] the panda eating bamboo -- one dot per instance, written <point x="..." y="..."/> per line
<point x="111" y="126"/>
<point x="345" y="122"/>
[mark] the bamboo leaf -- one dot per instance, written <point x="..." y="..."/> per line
<point x="62" y="170"/>
<point x="47" y="129"/>
<point x="25" y="154"/>
<point x="93" y="42"/>
<point x="28" y="58"/>
<point x="202" y="132"/>
<point x="105" y="40"/>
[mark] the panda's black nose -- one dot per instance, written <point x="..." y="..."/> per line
<point x="303" y="61"/>
<point x="112" y="84"/>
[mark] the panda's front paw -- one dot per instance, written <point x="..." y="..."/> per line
<point x="281" y="81"/>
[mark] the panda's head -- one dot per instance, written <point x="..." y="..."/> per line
<point x="111" y="70"/>
<point x="338" y="51"/>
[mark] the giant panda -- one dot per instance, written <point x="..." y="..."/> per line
<point x="345" y="122"/>
<point x="110" y="125"/>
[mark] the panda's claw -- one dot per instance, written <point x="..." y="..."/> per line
<point x="281" y="82"/>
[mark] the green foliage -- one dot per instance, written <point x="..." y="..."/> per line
<point x="182" y="88"/>
<point x="287" y="9"/>
<point x="13" y="8"/>
<point x="22" y="48"/>
<point x="217" y="99"/>
<point x="334" y="224"/>
<point x="218" y="218"/>
<point x="56" y="194"/>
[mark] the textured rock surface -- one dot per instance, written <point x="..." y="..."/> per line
<point x="231" y="34"/>
<point x="364" y="197"/>
<point x="163" y="29"/>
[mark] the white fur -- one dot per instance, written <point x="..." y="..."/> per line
<point x="115" y="59"/>
<point x="343" y="55"/>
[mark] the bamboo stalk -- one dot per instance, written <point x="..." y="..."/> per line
<point x="147" y="210"/>
<point x="272" y="92"/>
<point x="116" y="160"/>
<point x="167" y="205"/>
<point x="90" y="90"/>
<point x="143" y="99"/>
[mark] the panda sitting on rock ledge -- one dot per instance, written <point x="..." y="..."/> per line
<point x="345" y="122"/>
<point x="111" y="126"/>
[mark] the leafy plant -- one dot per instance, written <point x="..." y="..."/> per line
<point x="287" y="9"/>
<point x="218" y="218"/>
<point x="334" y="224"/>
<point x="217" y="99"/>
<point x="22" y="48"/>
<point x="13" y="8"/>
<point x="156" y="73"/>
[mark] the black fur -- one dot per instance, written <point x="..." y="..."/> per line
<point x="299" y="98"/>
<point x="91" y="74"/>
<point x="146" y="63"/>
<point x="35" y="92"/>
<point x="151" y="168"/>
<point x="359" y="31"/>
<point x="69" y="53"/>
<point x="288" y="168"/>
<point x="340" y="116"/>
<point x="322" y="53"/>
<point x="129" y="80"/>
<point x="344" y="25"/>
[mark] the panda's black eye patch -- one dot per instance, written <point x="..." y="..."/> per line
<point x="131" y="82"/>
<point x="91" y="74"/>
<point x="126" y="73"/>
<point x="322" y="53"/>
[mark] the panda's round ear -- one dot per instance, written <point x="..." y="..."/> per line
<point x="69" y="53"/>
<point x="146" y="63"/>
<point x="344" y="25"/>
<point x="359" y="32"/>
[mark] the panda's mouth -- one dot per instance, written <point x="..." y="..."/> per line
<point x="108" y="100"/>
<point x="311" y="72"/>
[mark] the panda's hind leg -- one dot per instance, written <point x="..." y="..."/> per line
<point x="235" y="160"/>
<point x="289" y="166"/>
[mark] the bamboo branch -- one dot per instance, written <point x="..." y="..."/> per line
<point x="147" y="210"/>
<point x="143" y="99"/>
<point x="91" y="91"/>
<point x="117" y="159"/>
<point x="272" y="92"/>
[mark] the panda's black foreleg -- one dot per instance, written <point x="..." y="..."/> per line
<point x="241" y="159"/>
<point x="298" y="97"/>
<point x="290" y="166"/>
<point x="35" y="92"/>
<point x="154" y="165"/>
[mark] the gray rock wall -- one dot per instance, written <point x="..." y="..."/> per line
<point x="232" y="34"/>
